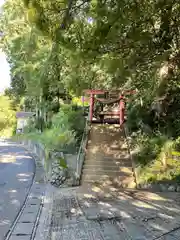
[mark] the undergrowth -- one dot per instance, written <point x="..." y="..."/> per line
<point x="156" y="158"/>
<point x="7" y="117"/>
<point x="63" y="134"/>
<point x="155" y="140"/>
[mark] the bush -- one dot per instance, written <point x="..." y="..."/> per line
<point x="65" y="132"/>
<point x="30" y="127"/>
<point x="154" y="159"/>
<point x="70" y="117"/>
<point x="7" y="117"/>
<point x="149" y="146"/>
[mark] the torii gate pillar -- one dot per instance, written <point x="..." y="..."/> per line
<point x="91" y="110"/>
<point x="92" y="93"/>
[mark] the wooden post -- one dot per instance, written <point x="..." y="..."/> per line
<point x="91" y="106"/>
<point x="121" y="111"/>
<point x="120" y="115"/>
<point x="82" y="99"/>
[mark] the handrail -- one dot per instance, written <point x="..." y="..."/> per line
<point x="81" y="149"/>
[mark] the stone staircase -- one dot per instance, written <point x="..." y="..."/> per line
<point x="107" y="159"/>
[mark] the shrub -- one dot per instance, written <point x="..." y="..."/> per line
<point x="65" y="132"/>
<point x="70" y="117"/>
<point x="149" y="147"/>
<point x="7" y="117"/>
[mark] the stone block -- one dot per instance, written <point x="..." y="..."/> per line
<point x="34" y="201"/>
<point x="172" y="188"/>
<point x="163" y="187"/>
<point x="36" y="195"/>
<point x="31" y="209"/>
<point x="28" y="217"/>
<point x="24" y="237"/>
<point x="23" y="229"/>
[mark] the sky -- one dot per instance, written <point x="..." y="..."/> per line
<point x="4" y="68"/>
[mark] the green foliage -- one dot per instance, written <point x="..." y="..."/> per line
<point x="70" y="117"/>
<point x="31" y="126"/>
<point x="58" y="139"/>
<point x="62" y="162"/>
<point x="91" y="44"/>
<point x="154" y="172"/>
<point x="7" y="117"/>
<point x="65" y="132"/>
<point x="154" y="158"/>
<point x="149" y="146"/>
<point x="58" y="47"/>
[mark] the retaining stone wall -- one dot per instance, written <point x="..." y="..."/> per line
<point x="55" y="174"/>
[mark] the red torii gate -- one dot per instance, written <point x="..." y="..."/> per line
<point x="120" y="99"/>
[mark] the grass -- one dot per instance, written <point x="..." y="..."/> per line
<point x="8" y="132"/>
<point x="154" y="159"/>
<point x="155" y="172"/>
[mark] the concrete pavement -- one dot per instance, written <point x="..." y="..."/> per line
<point x="91" y="213"/>
<point x="88" y="212"/>
<point x="17" y="169"/>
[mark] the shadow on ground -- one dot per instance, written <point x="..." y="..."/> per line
<point x="96" y="212"/>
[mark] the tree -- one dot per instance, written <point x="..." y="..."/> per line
<point x="7" y="117"/>
<point x="71" y="45"/>
<point x="33" y="60"/>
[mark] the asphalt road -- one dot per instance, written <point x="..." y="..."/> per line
<point x="16" y="175"/>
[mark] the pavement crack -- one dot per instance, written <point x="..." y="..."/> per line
<point x="165" y="234"/>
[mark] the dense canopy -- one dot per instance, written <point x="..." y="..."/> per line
<point x="58" y="48"/>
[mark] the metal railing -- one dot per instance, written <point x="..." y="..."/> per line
<point x="81" y="152"/>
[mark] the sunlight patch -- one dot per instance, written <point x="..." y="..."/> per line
<point x="154" y="196"/>
<point x="15" y="202"/>
<point x="4" y="222"/>
<point x="95" y="149"/>
<point x="125" y="214"/>
<point x="88" y="195"/>
<point x="96" y="189"/>
<point x="143" y="205"/>
<point x="12" y="191"/>
<point x="23" y="180"/>
<point x="24" y="174"/>
<point x="24" y="156"/>
<point x="7" y="159"/>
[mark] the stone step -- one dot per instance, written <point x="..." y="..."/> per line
<point x="117" y="168"/>
<point x="121" y="144"/>
<point x="107" y="157"/>
<point x="109" y="173"/>
<point x="114" y="149"/>
<point x="101" y="155"/>
<point x="121" y="163"/>
<point x="120" y="181"/>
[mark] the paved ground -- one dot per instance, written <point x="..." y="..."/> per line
<point x="88" y="212"/>
<point x="94" y="213"/>
<point x="16" y="175"/>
